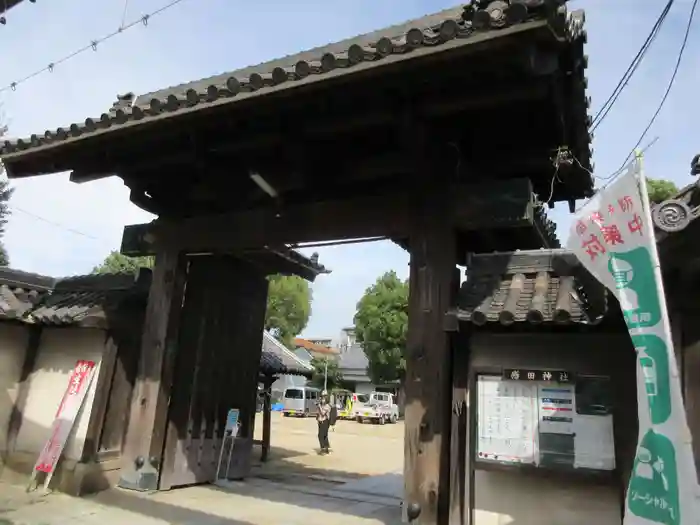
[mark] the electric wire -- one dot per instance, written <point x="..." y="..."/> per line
<point x="12" y="86"/>
<point x="671" y="82"/>
<point x="627" y="76"/>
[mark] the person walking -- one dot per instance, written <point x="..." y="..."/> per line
<point x="323" y="418"/>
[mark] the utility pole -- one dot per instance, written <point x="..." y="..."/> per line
<point x="325" y="375"/>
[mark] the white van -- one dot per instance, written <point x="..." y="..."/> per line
<point x="300" y="401"/>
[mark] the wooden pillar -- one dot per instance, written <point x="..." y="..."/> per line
<point x="99" y="405"/>
<point x="460" y="442"/>
<point x="428" y="380"/>
<point x="143" y="445"/>
<point x="267" y="417"/>
<point x="690" y="374"/>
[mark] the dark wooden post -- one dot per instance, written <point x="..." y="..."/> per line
<point x="267" y="417"/>
<point x="143" y="445"/>
<point x="460" y="443"/>
<point x="689" y="363"/>
<point x="428" y="382"/>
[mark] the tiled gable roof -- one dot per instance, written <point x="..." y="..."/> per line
<point x="21" y="291"/>
<point x="433" y="33"/>
<point x="37" y="299"/>
<point x="354" y="358"/>
<point x="34" y="298"/>
<point x="277" y="359"/>
<point x="537" y="286"/>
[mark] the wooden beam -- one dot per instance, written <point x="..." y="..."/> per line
<point x="470" y="207"/>
<point x="267" y="419"/>
<point x="309" y="176"/>
<point x="141" y="458"/>
<point x="104" y="162"/>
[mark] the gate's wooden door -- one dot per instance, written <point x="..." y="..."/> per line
<point x="216" y="369"/>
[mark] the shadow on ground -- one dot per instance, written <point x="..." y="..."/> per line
<point x="281" y="467"/>
<point x="149" y="507"/>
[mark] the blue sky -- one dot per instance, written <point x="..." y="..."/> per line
<point x="59" y="228"/>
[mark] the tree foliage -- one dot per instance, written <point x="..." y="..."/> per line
<point x="288" y="307"/>
<point x="335" y="378"/>
<point x="381" y="325"/>
<point x="119" y="263"/>
<point x="5" y="194"/>
<point x="660" y="190"/>
<point x="4" y="258"/>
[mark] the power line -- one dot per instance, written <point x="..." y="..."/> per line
<point x="636" y="61"/>
<point x="12" y="86"/>
<point x="56" y="224"/>
<point x="672" y="80"/>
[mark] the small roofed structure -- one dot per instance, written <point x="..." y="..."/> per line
<point x="537" y="286"/>
<point x="544" y="379"/>
<point x="276" y="361"/>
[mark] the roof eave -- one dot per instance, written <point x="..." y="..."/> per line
<point x="27" y="150"/>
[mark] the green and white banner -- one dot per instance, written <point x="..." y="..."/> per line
<point x="613" y="237"/>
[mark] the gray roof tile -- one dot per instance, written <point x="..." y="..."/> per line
<point x="277" y="359"/>
<point x="431" y="33"/>
<point x="21" y="291"/>
<point x="537" y="286"/>
<point x="37" y="299"/>
<point x="354" y="358"/>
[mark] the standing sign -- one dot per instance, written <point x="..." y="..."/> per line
<point x="230" y="435"/>
<point x="67" y="412"/>
<point x="613" y="238"/>
<point x="232" y="420"/>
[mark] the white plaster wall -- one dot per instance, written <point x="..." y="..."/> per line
<point x="59" y="350"/>
<point x="504" y="498"/>
<point x="13" y="346"/>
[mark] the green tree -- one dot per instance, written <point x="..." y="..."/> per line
<point x="5" y="194"/>
<point x="381" y="325"/>
<point x="288" y="307"/>
<point x="335" y="378"/>
<point x="660" y="190"/>
<point x="4" y="258"/>
<point x="116" y="262"/>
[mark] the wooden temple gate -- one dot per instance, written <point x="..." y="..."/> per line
<point x="219" y="335"/>
<point x="440" y="138"/>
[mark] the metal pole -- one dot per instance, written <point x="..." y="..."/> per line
<point x="325" y="375"/>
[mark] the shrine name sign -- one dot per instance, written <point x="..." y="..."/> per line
<point x="528" y="374"/>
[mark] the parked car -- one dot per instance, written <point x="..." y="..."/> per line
<point x="344" y="401"/>
<point x="300" y="401"/>
<point x="380" y="408"/>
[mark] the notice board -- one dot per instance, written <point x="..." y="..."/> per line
<point x="538" y="422"/>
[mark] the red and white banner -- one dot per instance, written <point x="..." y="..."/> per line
<point x="66" y="415"/>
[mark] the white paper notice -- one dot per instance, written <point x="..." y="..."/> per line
<point x="557" y="408"/>
<point x="507" y="418"/>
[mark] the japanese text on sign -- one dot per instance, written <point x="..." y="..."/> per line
<point x="601" y="230"/>
<point x="517" y="374"/>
